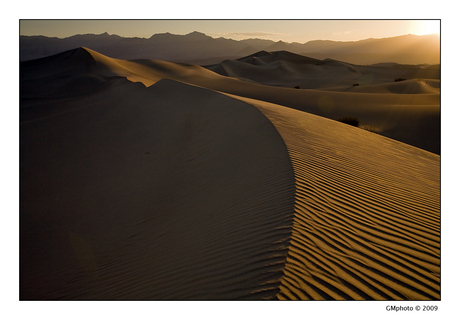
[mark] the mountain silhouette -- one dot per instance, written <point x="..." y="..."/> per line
<point x="199" y="48"/>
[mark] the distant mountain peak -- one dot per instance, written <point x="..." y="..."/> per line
<point x="161" y="35"/>
<point x="197" y="35"/>
<point x="192" y="36"/>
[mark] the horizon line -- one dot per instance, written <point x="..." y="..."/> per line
<point x="195" y="31"/>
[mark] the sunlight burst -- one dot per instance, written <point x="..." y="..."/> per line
<point x="422" y="27"/>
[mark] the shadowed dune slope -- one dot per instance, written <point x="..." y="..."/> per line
<point x="367" y="213"/>
<point x="167" y="192"/>
<point x="60" y="74"/>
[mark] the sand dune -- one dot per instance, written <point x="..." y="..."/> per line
<point x="154" y="195"/>
<point x="150" y="180"/>
<point x="286" y="69"/>
<point x="367" y="223"/>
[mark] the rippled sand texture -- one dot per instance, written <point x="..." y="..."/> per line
<point x="367" y="213"/>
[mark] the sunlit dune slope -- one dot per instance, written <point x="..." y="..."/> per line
<point x="167" y="192"/>
<point x="367" y="213"/>
<point x="413" y="86"/>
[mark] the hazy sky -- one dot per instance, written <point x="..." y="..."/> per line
<point x="286" y="30"/>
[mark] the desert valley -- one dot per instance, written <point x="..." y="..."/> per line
<point x="260" y="175"/>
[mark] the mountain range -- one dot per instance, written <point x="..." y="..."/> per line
<point x="199" y="48"/>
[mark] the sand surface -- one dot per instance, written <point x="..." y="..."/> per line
<point x="366" y="215"/>
<point x="150" y="180"/>
<point x="154" y="195"/>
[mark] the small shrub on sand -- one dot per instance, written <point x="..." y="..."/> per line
<point x="352" y="121"/>
<point x="370" y="129"/>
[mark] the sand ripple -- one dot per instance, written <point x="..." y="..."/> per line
<point x="367" y="213"/>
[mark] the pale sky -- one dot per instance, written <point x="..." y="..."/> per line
<point x="286" y="30"/>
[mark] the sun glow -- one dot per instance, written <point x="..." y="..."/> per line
<point x="422" y="27"/>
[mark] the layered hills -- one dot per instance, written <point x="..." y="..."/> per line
<point x="198" y="48"/>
